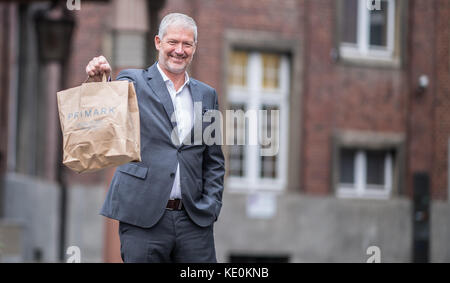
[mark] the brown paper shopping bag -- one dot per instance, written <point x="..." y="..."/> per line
<point x="100" y="125"/>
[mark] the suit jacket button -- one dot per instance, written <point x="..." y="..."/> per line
<point x="172" y="175"/>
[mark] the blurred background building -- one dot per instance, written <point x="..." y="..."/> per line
<point x="364" y="97"/>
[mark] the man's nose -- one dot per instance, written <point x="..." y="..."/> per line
<point x="179" y="48"/>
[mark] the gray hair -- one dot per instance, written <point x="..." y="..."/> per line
<point x="177" y="19"/>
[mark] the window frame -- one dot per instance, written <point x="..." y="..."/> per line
<point x="362" y="54"/>
<point x="252" y="181"/>
<point x="361" y="188"/>
<point x="365" y="141"/>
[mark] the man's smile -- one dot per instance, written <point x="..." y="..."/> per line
<point x="179" y="59"/>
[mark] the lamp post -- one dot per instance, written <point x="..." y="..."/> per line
<point x="54" y="34"/>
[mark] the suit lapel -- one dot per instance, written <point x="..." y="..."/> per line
<point x="156" y="83"/>
<point x="197" y="97"/>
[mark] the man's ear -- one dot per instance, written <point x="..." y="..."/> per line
<point x="157" y="42"/>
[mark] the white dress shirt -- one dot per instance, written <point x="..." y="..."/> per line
<point x="184" y="113"/>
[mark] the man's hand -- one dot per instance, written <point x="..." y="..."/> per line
<point x="96" y="68"/>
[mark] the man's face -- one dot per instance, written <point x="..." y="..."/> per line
<point x="176" y="49"/>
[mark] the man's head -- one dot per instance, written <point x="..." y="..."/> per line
<point x="176" y="42"/>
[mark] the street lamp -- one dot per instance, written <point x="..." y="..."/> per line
<point x="54" y="30"/>
<point x="53" y="36"/>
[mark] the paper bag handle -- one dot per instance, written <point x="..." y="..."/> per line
<point x="103" y="78"/>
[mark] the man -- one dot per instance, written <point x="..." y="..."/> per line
<point x="167" y="204"/>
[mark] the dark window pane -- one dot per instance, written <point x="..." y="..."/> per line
<point x="236" y="160"/>
<point x="349" y="21"/>
<point x="268" y="167"/>
<point x="236" y="151"/>
<point x="375" y="167"/>
<point x="379" y="25"/>
<point x="347" y="166"/>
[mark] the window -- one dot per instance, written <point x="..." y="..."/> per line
<point x="258" y="85"/>
<point x="129" y="49"/>
<point x="367" y="32"/>
<point x="365" y="173"/>
<point x="130" y="31"/>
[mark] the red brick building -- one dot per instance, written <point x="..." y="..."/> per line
<point x="363" y="104"/>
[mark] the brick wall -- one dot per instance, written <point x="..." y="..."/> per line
<point x="335" y="95"/>
<point x="428" y="55"/>
<point x="340" y="96"/>
<point x="215" y="17"/>
<point x="442" y="102"/>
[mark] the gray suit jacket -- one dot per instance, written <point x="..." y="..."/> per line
<point x="139" y="192"/>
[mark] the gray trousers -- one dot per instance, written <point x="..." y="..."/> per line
<point x="175" y="238"/>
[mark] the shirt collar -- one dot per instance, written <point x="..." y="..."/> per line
<point x="166" y="78"/>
